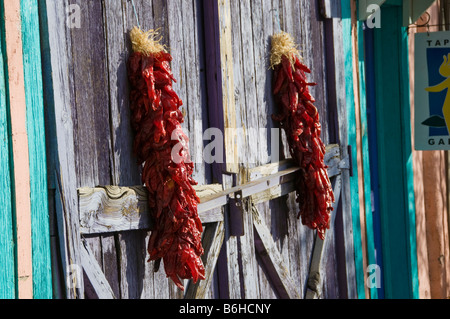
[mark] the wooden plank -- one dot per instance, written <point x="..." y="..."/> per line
<point x="176" y="44"/>
<point x="332" y="160"/>
<point x="237" y="279"/>
<point x="92" y="132"/>
<point x="113" y="209"/>
<point x="7" y="271"/>
<point x="108" y="209"/>
<point x="144" y="11"/>
<point x="361" y="124"/>
<point x="270" y="255"/>
<point x="42" y="273"/>
<point x="193" y="99"/>
<point x="228" y="266"/>
<point x="352" y="135"/>
<point x="131" y="258"/>
<point x="363" y="104"/>
<point x="248" y="256"/>
<point x="300" y="18"/>
<point x="95" y="273"/>
<point x="314" y="289"/>
<point x="248" y="15"/>
<point x="132" y="277"/>
<point x="167" y="18"/>
<point x="50" y="131"/>
<point x="125" y="171"/>
<point x="17" y="104"/>
<point x="66" y="195"/>
<point x="213" y="237"/>
<point x="108" y="261"/>
<point x="261" y="74"/>
<point x="313" y="31"/>
<point x="330" y="9"/>
<point x="228" y="87"/>
<point x="345" y="244"/>
<point x="248" y="110"/>
<point x="230" y="261"/>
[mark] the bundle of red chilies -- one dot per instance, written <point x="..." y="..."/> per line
<point x="300" y="120"/>
<point x="156" y="121"/>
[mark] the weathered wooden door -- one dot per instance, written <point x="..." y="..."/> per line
<point x="220" y="51"/>
<point x="88" y="46"/>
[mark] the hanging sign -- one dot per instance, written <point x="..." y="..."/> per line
<point x="432" y="91"/>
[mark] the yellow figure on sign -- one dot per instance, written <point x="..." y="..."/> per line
<point x="444" y="70"/>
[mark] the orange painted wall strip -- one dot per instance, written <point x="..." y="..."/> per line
<point x="13" y="38"/>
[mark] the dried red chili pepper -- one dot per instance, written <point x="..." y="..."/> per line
<point x="156" y="120"/>
<point x="300" y="119"/>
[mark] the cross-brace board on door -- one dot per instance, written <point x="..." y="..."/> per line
<point x="113" y="209"/>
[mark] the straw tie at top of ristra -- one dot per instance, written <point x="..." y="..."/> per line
<point x="156" y="120"/>
<point x="300" y="119"/>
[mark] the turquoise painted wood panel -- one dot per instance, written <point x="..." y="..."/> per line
<point x="370" y="238"/>
<point x="7" y="254"/>
<point x="351" y="118"/>
<point x="394" y="151"/>
<point x="42" y="276"/>
<point x="408" y="162"/>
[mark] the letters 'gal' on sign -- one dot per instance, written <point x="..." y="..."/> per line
<point x="432" y="91"/>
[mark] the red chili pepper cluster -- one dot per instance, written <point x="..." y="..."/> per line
<point x="300" y="119"/>
<point x="156" y="120"/>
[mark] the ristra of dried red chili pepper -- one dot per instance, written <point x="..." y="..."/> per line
<point x="156" y="121"/>
<point x="300" y="120"/>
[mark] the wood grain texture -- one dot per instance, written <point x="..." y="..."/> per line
<point x="271" y="257"/>
<point x="90" y="105"/>
<point x="97" y="56"/>
<point x="60" y="101"/>
<point x="113" y="209"/>
<point x="342" y="279"/>
<point x="40" y="232"/>
<point x="361" y="112"/>
<point x="314" y="289"/>
<point x="212" y="240"/>
<point x="7" y="272"/>
<point x="228" y="101"/>
<point x="95" y="273"/>
<point x="17" y="107"/>
<point x="97" y="96"/>
<point x="252" y="25"/>
<point x="286" y="186"/>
